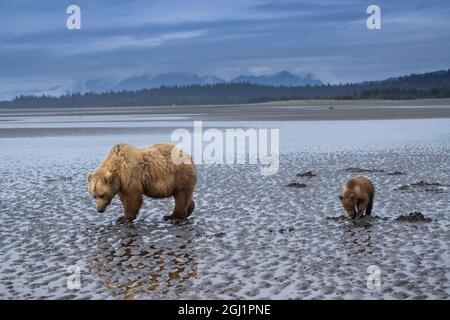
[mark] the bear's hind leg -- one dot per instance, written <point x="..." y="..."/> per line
<point x="181" y="210"/>
<point x="190" y="208"/>
<point x="369" y="207"/>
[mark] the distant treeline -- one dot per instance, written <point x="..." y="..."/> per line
<point x="415" y="86"/>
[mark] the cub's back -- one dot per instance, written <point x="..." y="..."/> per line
<point x="362" y="183"/>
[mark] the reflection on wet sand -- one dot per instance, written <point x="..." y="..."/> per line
<point x="133" y="264"/>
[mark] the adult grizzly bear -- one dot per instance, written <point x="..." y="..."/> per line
<point x="133" y="172"/>
<point x="357" y="197"/>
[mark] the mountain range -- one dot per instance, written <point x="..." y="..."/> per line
<point x="183" y="88"/>
<point x="146" y="81"/>
<point x="414" y="86"/>
<point x="283" y="78"/>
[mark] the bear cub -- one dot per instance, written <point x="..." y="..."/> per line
<point x="357" y="197"/>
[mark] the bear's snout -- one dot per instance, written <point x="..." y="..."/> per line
<point x="101" y="210"/>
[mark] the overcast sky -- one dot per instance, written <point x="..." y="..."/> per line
<point x="226" y="38"/>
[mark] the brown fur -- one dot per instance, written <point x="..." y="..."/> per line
<point x="357" y="197"/>
<point x="133" y="172"/>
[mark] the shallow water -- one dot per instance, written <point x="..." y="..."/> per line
<point x="250" y="236"/>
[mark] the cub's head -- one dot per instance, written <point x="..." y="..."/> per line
<point x="353" y="206"/>
<point x="103" y="187"/>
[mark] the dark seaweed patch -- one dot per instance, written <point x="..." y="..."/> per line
<point x="413" y="217"/>
<point x="307" y="174"/>
<point x="296" y="185"/>
<point x="396" y="173"/>
<point x="423" y="186"/>
<point x="360" y="170"/>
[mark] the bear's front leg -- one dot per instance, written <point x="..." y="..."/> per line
<point x="131" y="202"/>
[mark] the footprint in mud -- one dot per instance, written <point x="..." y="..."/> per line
<point x="283" y="230"/>
<point x="423" y="186"/>
<point x="307" y="174"/>
<point x="364" y="222"/>
<point x="337" y="219"/>
<point x="219" y="235"/>
<point x="296" y="185"/>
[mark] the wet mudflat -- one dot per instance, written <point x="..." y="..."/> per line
<point x="251" y="236"/>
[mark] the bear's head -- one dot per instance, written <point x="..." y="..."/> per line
<point x="352" y="204"/>
<point x="102" y="186"/>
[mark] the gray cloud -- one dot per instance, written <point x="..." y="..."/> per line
<point x="120" y="39"/>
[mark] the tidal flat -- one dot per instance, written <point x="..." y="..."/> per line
<point x="250" y="237"/>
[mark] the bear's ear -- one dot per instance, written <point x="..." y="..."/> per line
<point x="89" y="176"/>
<point x="108" y="177"/>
